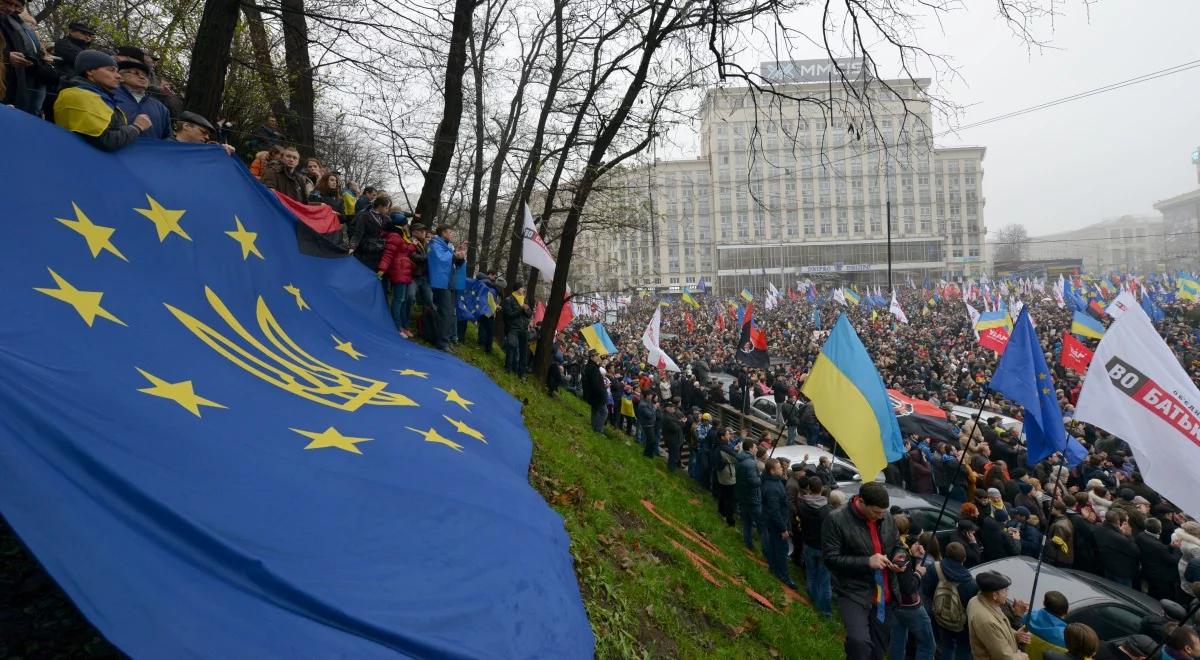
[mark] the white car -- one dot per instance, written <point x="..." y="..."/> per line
<point x="844" y="472"/>
<point x="963" y="413"/>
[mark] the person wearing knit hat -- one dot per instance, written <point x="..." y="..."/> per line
<point x="133" y="98"/>
<point x="990" y="633"/>
<point x="88" y="107"/>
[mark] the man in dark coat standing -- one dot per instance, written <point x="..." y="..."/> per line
<point x="857" y="541"/>
<point x="594" y="391"/>
<point x="777" y="515"/>
<point x="1119" y="555"/>
<point x="1160" y="562"/>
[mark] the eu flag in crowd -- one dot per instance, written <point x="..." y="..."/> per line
<point x="1023" y="377"/>
<point x="473" y="301"/>
<point x="219" y="447"/>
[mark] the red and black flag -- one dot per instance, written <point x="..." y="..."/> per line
<point x="752" y="346"/>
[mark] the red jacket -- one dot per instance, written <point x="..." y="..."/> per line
<point x="395" y="263"/>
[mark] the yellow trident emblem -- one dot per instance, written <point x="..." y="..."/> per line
<point x="284" y="364"/>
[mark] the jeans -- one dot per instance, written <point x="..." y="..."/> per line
<point x="516" y="352"/>
<point x="599" y="413"/>
<point x="866" y="636"/>
<point x="751" y="514"/>
<point x="913" y="620"/>
<point x="953" y="645"/>
<point x="817" y="580"/>
<point x="776" y="549"/>
<point x="401" y="304"/>
<point x="791" y="435"/>
<point x="443" y="300"/>
<point x="487" y="329"/>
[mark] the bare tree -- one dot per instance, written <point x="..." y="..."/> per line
<point x="1012" y="242"/>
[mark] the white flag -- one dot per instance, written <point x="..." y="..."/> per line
<point x="973" y="314"/>
<point x="894" y="308"/>
<point x="839" y="297"/>
<point x="658" y="358"/>
<point x="1121" y="304"/>
<point x="534" y="251"/>
<point x="1137" y="390"/>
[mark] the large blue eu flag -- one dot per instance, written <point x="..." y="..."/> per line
<point x="1023" y="377"/>
<point x="220" y="447"/>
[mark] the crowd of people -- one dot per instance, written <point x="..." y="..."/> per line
<point x="899" y="588"/>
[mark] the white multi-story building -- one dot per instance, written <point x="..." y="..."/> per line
<point x="786" y="190"/>
<point x="1129" y="243"/>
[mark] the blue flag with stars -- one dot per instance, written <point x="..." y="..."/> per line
<point x="219" y="447"/>
<point x="1023" y="377"/>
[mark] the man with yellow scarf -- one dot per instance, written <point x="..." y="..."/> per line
<point x="87" y="106"/>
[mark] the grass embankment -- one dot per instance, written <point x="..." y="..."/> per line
<point x="648" y="582"/>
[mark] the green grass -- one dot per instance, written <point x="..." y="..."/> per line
<point x="644" y="597"/>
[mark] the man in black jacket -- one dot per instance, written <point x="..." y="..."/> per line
<point x="593" y="391"/>
<point x="673" y="422"/>
<point x="79" y="38"/>
<point x="1160" y="562"/>
<point x="749" y="493"/>
<point x="776" y="514"/>
<point x="857" y="541"/>
<point x="812" y="509"/>
<point x="516" y="325"/>
<point x="1119" y="555"/>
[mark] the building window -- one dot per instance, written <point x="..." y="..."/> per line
<point x="843" y="226"/>
<point x="876" y="224"/>
<point x="674" y="280"/>
<point x="858" y="222"/>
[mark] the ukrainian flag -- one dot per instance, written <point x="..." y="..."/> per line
<point x="491" y="303"/>
<point x="746" y="295"/>
<point x="1189" y="289"/>
<point x="852" y="297"/>
<point x="1086" y="326"/>
<point x="850" y="401"/>
<point x="996" y="319"/>
<point x="687" y="298"/>
<point x="597" y="339"/>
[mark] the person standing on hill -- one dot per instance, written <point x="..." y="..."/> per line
<point x="594" y="391"/>
<point x="776" y="516"/>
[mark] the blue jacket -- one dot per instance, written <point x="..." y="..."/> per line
<point x="160" y="117"/>
<point x="747" y="489"/>
<point x="441" y="263"/>
<point x="460" y="277"/>
<point x="775" y="504"/>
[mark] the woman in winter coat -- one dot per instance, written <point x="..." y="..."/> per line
<point x="920" y="472"/>
<point x="397" y="266"/>
<point x="1188" y="539"/>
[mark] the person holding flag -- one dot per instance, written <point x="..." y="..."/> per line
<point x="896" y="310"/>
<point x="752" y="345"/>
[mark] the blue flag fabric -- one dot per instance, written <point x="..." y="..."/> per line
<point x="472" y="301"/>
<point x="1023" y="377"/>
<point x="219" y="447"/>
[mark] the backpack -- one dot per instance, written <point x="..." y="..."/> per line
<point x="948" y="610"/>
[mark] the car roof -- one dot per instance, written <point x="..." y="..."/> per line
<point x="909" y="500"/>
<point x="969" y="412"/>
<point x="1081" y="589"/>
<point x="794" y="453"/>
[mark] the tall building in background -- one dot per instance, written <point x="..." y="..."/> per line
<point x="1129" y="243"/>
<point x="786" y="189"/>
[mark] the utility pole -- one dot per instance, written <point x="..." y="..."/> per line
<point x="887" y="182"/>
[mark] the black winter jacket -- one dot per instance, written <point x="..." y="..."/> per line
<point x="847" y="548"/>
<point x="775" y="506"/>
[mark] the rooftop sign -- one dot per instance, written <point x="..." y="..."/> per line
<point x="811" y="70"/>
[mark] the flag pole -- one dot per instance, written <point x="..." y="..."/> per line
<point x="1062" y="462"/>
<point x="958" y="468"/>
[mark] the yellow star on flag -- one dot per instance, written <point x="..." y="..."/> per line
<point x="98" y="237"/>
<point x="1042" y="376"/>
<point x="412" y="372"/>
<point x="331" y="437"/>
<point x="433" y="436"/>
<point x="346" y="347"/>
<point x="165" y="220"/>
<point x="245" y="239"/>
<point x="295" y="291"/>
<point x="465" y="429"/>
<point x="454" y="397"/>
<point x="87" y="303"/>
<point x="181" y="393"/>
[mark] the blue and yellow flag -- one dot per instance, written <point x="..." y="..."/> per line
<point x="746" y="295"/>
<point x="1086" y="326"/>
<point x="995" y="319"/>
<point x="687" y="298"/>
<point x="1188" y="287"/>
<point x="852" y="296"/>
<point x="597" y="339"/>
<point x="219" y="446"/>
<point x="851" y="402"/>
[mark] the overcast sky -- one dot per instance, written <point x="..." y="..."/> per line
<point x="1068" y="166"/>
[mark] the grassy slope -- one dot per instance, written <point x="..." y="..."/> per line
<point x="643" y="595"/>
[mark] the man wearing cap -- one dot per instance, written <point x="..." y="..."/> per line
<point x="79" y="38"/>
<point x="133" y="99"/>
<point x="87" y="105"/>
<point x="593" y="391"/>
<point x="192" y="128"/>
<point x="991" y="635"/>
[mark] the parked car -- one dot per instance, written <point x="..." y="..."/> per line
<point x="962" y="413"/>
<point x="844" y="472"/>
<point x="922" y="509"/>
<point x="1114" y="611"/>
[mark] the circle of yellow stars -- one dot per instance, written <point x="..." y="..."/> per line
<point x="167" y="222"/>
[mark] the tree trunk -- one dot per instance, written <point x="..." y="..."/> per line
<point x="210" y="57"/>
<point x="262" y="61"/>
<point x="446" y="137"/>
<point x="301" y="96"/>
<point x="478" y="57"/>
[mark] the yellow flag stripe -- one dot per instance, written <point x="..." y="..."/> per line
<point x="845" y="412"/>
